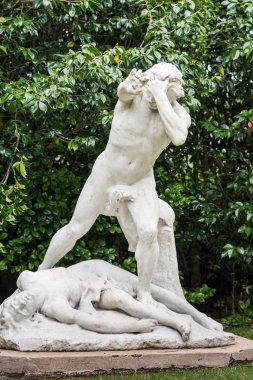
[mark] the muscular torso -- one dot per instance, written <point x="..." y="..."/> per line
<point x="73" y="282"/>
<point x="136" y="140"/>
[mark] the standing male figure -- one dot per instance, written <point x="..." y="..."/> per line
<point x="147" y="119"/>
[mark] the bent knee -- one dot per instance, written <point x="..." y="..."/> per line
<point x="74" y="230"/>
<point x="112" y="298"/>
<point x="167" y="214"/>
<point x="170" y="214"/>
<point x="148" y="235"/>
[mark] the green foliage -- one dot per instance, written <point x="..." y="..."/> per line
<point x="237" y="320"/>
<point x="61" y="62"/>
<point x="245" y="331"/>
<point x="245" y="307"/>
<point x="199" y="295"/>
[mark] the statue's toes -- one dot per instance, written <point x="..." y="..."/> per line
<point x="185" y="336"/>
<point x="218" y="326"/>
<point x="211" y="324"/>
<point x="185" y="328"/>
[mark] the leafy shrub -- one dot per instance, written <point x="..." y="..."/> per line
<point x="199" y="295"/>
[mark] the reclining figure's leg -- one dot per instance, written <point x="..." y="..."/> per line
<point x="164" y="296"/>
<point x="180" y="305"/>
<point x="118" y="299"/>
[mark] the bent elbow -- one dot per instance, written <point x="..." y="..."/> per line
<point x="179" y="140"/>
<point x="120" y="89"/>
<point x="124" y="95"/>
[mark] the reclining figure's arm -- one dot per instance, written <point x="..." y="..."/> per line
<point x="60" y="309"/>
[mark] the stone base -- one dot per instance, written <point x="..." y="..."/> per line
<point x="52" y="364"/>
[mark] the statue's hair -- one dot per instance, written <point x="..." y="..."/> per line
<point x="15" y="310"/>
<point x="10" y="322"/>
<point x="164" y="69"/>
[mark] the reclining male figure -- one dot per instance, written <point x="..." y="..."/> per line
<point x="73" y="295"/>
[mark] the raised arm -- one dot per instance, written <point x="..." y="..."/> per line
<point x="132" y="85"/>
<point x="175" y="118"/>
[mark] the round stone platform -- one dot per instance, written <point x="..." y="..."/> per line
<point x="53" y="364"/>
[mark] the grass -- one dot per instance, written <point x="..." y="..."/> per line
<point x="245" y="331"/>
<point x="232" y="373"/>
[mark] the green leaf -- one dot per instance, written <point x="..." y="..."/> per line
<point x="3" y="265"/>
<point x="144" y="13"/>
<point x="176" y="8"/>
<point x="42" y="106"/>
<point x="3" y="48"/>
<point x="34" y="107"/>
<point x="22" y="169"/>
<point x="236" y="54"/>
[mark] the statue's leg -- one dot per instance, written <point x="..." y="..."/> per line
<point x="128" y="226"/>
<point x="164" y="296"/>
<point x="180" y="305"/>
<point x="145" y="213"/>
<point x="118" y="299"/>
<point x="166" y="273"/>
<point x="60" y="309"/>
<point x="88" y="207"/>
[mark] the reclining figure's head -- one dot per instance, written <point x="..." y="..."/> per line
<point x="17" y="307"/>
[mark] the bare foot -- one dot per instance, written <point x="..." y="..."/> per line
<point x="210" y="323"/>
<point x="184" y="327"/>
<point x="147" y="299"/>
<point x="42" y="267"/>
<point x="146" y="325"/>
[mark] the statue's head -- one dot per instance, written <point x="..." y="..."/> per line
<point x="170" y="73"/>
<point x="165" y="70"/>
<point x="19" y="306"/>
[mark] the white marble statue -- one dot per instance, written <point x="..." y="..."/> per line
<point x="74" y="295"/>
<point x="93" y="296"/>
<point x="147" y="119"/>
